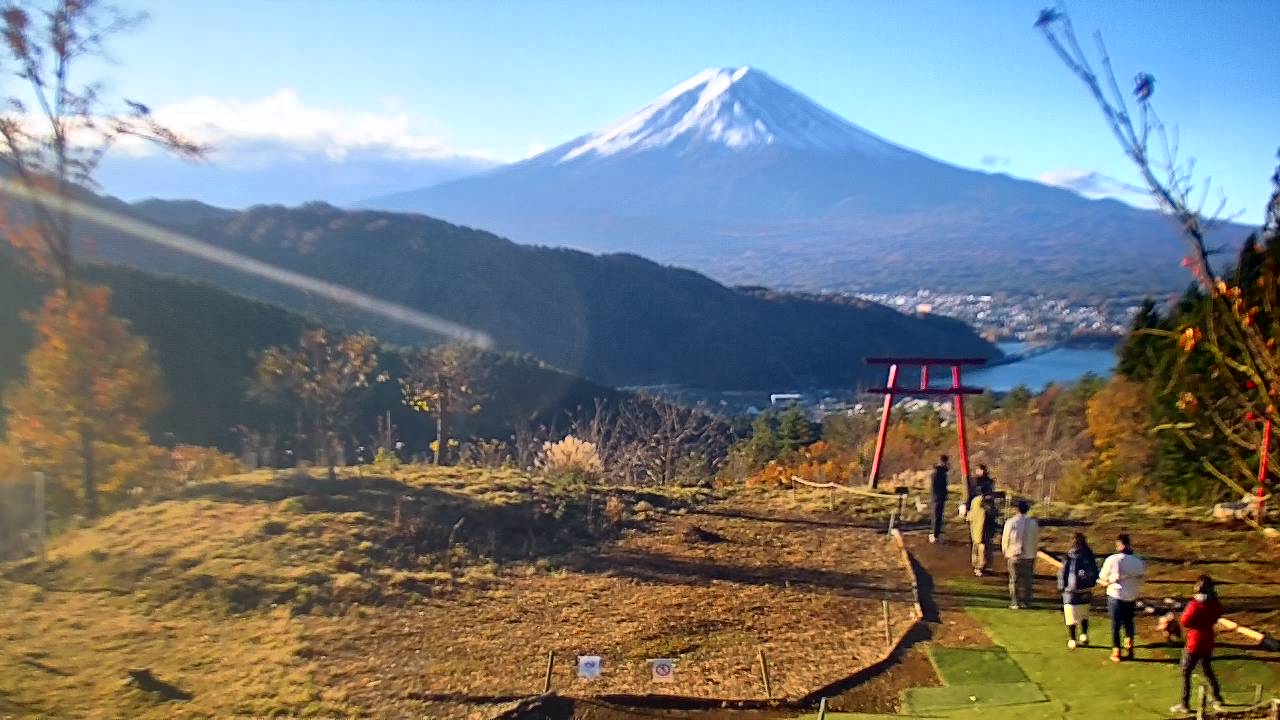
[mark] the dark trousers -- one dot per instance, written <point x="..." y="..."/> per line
<point x="939" y="510"/>
<point x="1121" y="612"/>
<point x="1188" y="665"/>
<point x="1022" y="573"/>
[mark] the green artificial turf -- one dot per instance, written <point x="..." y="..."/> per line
<point x="1089" y="685"/>
<point x="973" y="666"/>
<point x="933" y="700"/>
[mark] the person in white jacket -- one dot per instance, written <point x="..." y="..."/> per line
<point x="1020" y="543"/>
<point x="1122" y="574"/>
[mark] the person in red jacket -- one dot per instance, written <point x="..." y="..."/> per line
<point x="1198" y="620"/>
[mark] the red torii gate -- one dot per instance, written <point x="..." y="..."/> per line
<point x="956" y="391"/>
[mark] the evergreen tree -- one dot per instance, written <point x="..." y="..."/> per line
<point x="794" y="429"/>
<point x="763" y="445"/>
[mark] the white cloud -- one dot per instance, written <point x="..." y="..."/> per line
<point x="1093" y="184"/>
<point x="281" y="125"/>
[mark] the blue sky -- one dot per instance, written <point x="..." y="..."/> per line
<point x="961" y="81"/>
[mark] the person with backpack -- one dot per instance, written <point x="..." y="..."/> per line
<point x="1123" y="573"/>
<point x="1199" y="619"/>
<point x="938" y="492"/>
<point x="1020" y="543"/>
<point x="1076" y="578"/>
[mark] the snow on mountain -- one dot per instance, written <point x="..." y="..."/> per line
<point x="735" y="108"/>
<point x="738" y="175"/>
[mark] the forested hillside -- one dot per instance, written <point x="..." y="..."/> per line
<point x="204" y="339"/>
<point x="617" y="319"/>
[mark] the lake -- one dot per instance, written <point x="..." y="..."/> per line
<point x="1063" y="365"/>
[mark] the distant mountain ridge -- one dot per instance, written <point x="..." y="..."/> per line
<point x="615" y="319"/>
<point x="738" y="175"/>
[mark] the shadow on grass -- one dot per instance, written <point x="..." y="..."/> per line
<point x="656" y="567"/>
<point x="147" y="682"/>
<point x="868" y="524"/>
<point x="415" y="519"/>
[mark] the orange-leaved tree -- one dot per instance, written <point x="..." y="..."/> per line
<point x="326" y="379"/>
<point x="1234" y="404"/>
<point x="89" y="390"/>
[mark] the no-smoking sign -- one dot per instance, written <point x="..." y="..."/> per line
<point x="664" y="669"/>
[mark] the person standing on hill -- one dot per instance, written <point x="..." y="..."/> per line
<point x="938" y="492"/>
<point x="1020" y="543"/>
<point x="983" y="483"/>
<point x="1076" y="578"/>
<point x="1123" y="574"/>
<point x="1199" y="619"/>
<point x="982" y="526"/>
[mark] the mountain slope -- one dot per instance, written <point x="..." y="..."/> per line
<point x="204" y="340"/>
<point x="737" y="175"/>
<point x="617" y="319"/>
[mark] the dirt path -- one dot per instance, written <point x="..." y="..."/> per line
<point x="945" y="624"/>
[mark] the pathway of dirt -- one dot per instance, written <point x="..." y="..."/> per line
<point x="945" y="624"/>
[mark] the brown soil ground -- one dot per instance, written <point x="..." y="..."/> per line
<point x="807" y="592"/>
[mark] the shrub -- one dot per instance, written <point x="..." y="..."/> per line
<point x="571" y="457"/>
<point x="386" y="460"/>
<point x="193" y="463"/>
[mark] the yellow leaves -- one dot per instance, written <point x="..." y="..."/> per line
<point x="1189" y="338"/>
<point x="1188" y="403"/>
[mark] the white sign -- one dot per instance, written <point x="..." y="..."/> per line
<point x="664" y="669"/>
<point x="588" y="667"/>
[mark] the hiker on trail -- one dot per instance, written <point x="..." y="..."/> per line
<point x="982" y="528"/>
<point x="938" y="491"/>
<point x="1076" y="578"/>
<point x="1123" y="574"/>
<point x="1199" y="618"/>
<point x="1020" y="543"/>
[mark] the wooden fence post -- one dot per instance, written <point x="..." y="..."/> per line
<point x="764" y="673"/>
<point x="888" y="631"/>
<point x="551" y="662"/>
<point x="822" y="709"/>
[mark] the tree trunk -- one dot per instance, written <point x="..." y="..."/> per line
<point x="331" y="455"/>
<point x="88" y="476"/>
<point x="440" y="441"/>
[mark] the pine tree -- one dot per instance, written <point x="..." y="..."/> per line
<point x="794" y="429"/>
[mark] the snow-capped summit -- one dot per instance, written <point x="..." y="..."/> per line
<point x="736" y="108"/>
<point x="736" y="174"/>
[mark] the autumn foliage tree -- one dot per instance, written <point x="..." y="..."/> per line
<point x="54" y="132"/>
<point x="443" y="382"/>
<point x="90" y="388"/>
<point x="325" y="379"/>
<point x="1237" y="396"/>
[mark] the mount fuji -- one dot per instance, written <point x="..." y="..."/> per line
<point x="736" y="174"/>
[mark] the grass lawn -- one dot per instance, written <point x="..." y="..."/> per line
<point x="1085" y="684"/>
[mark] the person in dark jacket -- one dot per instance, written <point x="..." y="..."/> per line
<point x="1076" y="578"/>
<point x="1198" y="620"/>
<point x="983" y="483"/>
<point x="938" y="492"/>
